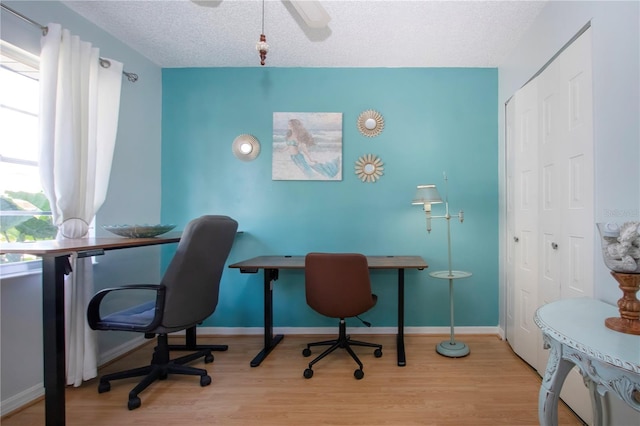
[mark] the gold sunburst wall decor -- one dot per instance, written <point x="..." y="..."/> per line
<point x="370" y="123"/>
<point x="369" y="168"/>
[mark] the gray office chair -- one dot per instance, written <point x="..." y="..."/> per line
<point x="337" y="285"/>
<point x="186" y="296"/>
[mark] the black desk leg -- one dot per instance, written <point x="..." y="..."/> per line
<point x="190" y="343"/>
<point x="53" y="272"/>
<point x="270" y="341"/>
<point x="400" y="338"/>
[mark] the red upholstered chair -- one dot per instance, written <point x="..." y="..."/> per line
<point x="337" y="285"/>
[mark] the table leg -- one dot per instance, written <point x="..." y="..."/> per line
<point x="554" y="376"/>
<point x="400" y="337"/>
<point x="53" y="272"/>
<point x="190" y="343"/>
<point x="599" y="410"/>
<point x="270" y="341"/>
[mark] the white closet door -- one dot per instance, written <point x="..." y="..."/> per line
<point x="577" y="157"/>
<point x="525" y="175"/>
<point x="567" y="227"/>
<point x="566" y="172"/>
<point x="553" y="217"/>
<point x="510" y="233"/>
<point x="553" y="135"/>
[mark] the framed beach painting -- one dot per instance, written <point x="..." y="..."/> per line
<point x="307" y="146"/>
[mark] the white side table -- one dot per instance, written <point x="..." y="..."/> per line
<point x="608" y="360"/>
<point x="450" y="347"/>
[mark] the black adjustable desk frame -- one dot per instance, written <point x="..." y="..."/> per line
<point x="271" y="272"/>
<point x="270" y="341"/>
<point x="55" y="265"/>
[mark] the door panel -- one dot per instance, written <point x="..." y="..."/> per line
<point x="576" y="154"/>
<point x="525" y="223"/>
<point x="510" y="231"/>
<point x="553" y="173"/>
<point x="549" y="226"/>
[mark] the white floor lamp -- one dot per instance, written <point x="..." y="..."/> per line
<point x="426" y="195"/>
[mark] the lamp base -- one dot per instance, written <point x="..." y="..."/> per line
<point x="452" y="349"/>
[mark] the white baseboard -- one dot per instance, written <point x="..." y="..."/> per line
<point x="29" y="395"/>
<point x="23" y="398"/>
<point x="246" y="331"/>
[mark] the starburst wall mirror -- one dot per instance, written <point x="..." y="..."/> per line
<point x="369" y="168"/>
<point x="370" y="123"/>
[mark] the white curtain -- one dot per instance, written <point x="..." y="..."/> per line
<point x="80" y="100"/>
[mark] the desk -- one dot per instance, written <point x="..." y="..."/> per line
<point x="55" y="265"/>
<point x="271" y="266"/>
<point x="609" y="361"/>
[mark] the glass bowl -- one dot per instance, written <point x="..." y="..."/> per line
<point x="139" y="231"/>
<point x="621" y="246"/>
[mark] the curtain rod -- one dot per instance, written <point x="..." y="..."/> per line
<point x="132" y="77"/>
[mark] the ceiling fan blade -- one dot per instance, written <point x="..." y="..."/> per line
<point x="207" y="3"/>
<point x="311" y="12"/>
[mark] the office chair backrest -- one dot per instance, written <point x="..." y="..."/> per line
<point x="337" y="285"/>
<point x="193" y="276"/>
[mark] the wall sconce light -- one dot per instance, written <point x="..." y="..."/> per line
<point x="427" y="195"/>
<point x="246" y="147"/>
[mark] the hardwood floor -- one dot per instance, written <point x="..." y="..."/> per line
<point x="492" y="386"/>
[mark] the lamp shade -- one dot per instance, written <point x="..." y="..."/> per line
<point x="427" y="194"/>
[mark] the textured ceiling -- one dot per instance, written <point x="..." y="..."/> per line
<point x="371" y="33"/>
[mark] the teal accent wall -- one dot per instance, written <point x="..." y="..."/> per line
<point x="436" y="120"/>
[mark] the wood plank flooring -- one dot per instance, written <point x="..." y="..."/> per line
<point x="492" y="386"/>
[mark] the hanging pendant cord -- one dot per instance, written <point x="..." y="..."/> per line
<point x="105" y="63"/>
<point x="262" y="16"/>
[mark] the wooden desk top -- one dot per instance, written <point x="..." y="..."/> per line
<point x="61" y="247"/>
<point x="297" y="262"/>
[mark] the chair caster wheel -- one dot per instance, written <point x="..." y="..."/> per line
<point x="377" y="353"/>
<point x="208" y="359"/>
<point x="163" y="376"/>
<point x="306" y="352"/>
<point x="134" y="403"/>
<point x="205" y="380"/>
<point x="308" y="373"/>
<point x="104" y="387"/>
<point x="358" y="374"/>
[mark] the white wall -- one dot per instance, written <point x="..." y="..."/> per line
<point x="616" y="94"/>
<point x="616" y="75"/>
<point x="134" y="197"/>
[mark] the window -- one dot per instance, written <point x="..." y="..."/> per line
<point x="24" y="210"/>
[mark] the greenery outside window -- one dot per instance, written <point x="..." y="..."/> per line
<point x="25" y="214"/>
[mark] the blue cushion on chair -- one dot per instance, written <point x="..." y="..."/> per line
<point x="134" y="317"/>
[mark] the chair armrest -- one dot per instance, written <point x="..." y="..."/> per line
<point x="93" y="310"/>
